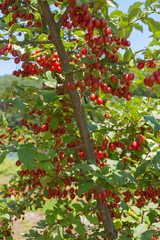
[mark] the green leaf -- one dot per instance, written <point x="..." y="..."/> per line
<point x="5" y="58"/>
<point x="79" y="227"/>
<point x="78" y="207"/>
<point x="45" y="180"/>
<point x="50" y="80"/>
<point x="156" y="162"/>
<point x="3" y="156"/>
<point x="19" y="103"/>
<point x="149" y="2"/>
<point x="46" y="165"/>
<point x="140" y="170"/>
<point x="138" y="27"/>
<point x="123" y="205"/>
<point x="84" y="166"/>
<point x="50" y="219"/>
<point x="67" y="139"/>
<point x="134" y="13"/>
<point x="116" y="13"/>
<point x="134" y="6"/>
<point x="157" y="34"/>
<point x="154" y="42"/>
<point x="141" y="232"/>
<point x="85" y="187"/>
<point x="48" y="96"/>
<point x="54" y="123"/>
<point x="92" y="126"/>
<point x="8" y="18"/>
<point x="153" y="122"/>
<point x="127" y="56"/>
<point x="109" y="178"/>
<point x="120" y="176"/>
<point x="153" y="25"/>
<point x="26" y="155"/>
<point x="92" y="219"/>
<point x="128" y="31"/>
<point x="42" y="157"/>
<point x="25" y="30"/>
<point x="14" y="27"/>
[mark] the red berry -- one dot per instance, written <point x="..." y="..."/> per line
<point x="134" y="144"/>
<point x="107" y="31"/>
<point x="99" y="101"/>
<point x="140" y="65"/>
<point x="92" y="97"/>
<point x="104" y="201"/>
<point x="129" y="147"/>
<point x="44" y="128"/>
<point x="18" y="163"/>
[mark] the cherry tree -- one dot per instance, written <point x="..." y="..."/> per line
<point x="85" y="142"/>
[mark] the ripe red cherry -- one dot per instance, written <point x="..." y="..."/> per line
<point x="98" y="64"/>
<point x="49" y="37"/>
<point x="92" y="97"/>
<point x="24" y="56"/>
<point x="17" y="60"/>
<point x="99" y="101"/>
<point x="131" y="76"/>
<point x="18" y="163"/>
<point x="59" y="69"/>
<point x="103" y="70"/>
<point x="109" y="55"/>
<point x="103" y="23"/>
<point x="84" y="51"/>
<point x="129" y="147"/>
<point x="39" y="24"/>
<point x="84" y="8"/>
<point x="8" y="47"/>
<point x="107" y="31"/>
<point x="139" y="141"/>
<point x="104" y="193"/>
<point x="104" y="201"/>
<point x="86" y="16"/>
<point x="14" y="53"/>
<point x="138" y="148"/>
<point x="62" y="155"/>
<point x="97" y="23"/>
<point x="134" y="144"/>
<point x="55" y="55"/>
<point x="140" y="65"/>
<point x="113" y="79"/>
<point x="112" y="147"/>
<point x="44" y="128"/>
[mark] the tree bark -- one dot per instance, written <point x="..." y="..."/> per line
<point x="78" y="110"/>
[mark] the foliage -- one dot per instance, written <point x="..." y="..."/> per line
<point x="102" y="170"/>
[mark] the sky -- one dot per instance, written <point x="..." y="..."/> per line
<point x="138" y="40"/>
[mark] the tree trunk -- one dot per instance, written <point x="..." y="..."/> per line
<point x="78" y="110"/>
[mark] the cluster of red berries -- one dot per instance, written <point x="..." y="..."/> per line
<point x="149" y="194"/>
<point x="18" y="13"/>
<point x="136" y="144"/>
<point x="53" y="64"/>
<point x="152" y="79"/>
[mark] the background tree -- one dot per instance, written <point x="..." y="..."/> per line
<point x="85" y="142"/>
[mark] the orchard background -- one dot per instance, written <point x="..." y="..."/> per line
<point x="82" y="116"/>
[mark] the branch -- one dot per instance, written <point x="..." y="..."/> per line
<point x="136" y="20"/>
<point x="138" y="61"/>
<point x="21" y="43"/>
<point x="28" y="5"/>
<point x="78" y="110"/>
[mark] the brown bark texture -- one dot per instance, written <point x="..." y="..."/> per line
<point x="78" y="109"/>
